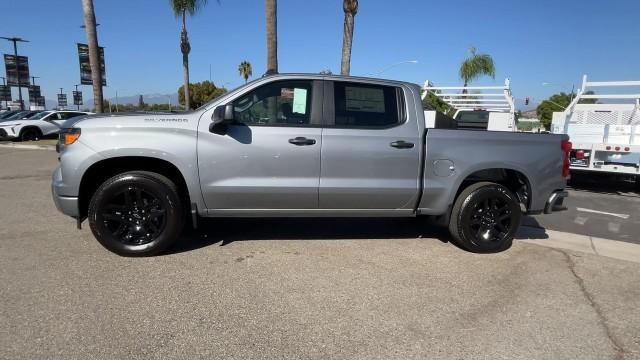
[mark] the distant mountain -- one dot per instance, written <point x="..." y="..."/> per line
<point x="129" y="99"/>
<point x="147" y="98"/>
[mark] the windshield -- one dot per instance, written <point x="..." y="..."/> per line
<point x="17" y="115"/>
<point x="226" y="93"/>
<point x="40" y="115"/>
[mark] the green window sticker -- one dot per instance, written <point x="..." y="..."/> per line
<point x="300" y="101"/>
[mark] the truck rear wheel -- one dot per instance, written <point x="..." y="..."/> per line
<point x="136" y="213"/>
<point x="485" y="218"/>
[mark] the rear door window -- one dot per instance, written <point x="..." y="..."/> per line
<point x="366" y="106"/>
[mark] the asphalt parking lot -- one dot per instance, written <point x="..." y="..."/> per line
<point x="305" y="288"/>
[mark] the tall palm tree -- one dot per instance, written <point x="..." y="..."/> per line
<point x="180" y="9"/>
<point x="271" y="9"/>
<point x="475" y="66"/>
<point x="94" y="53"/>
<point x="245" y="70"/>
<point x="350" y="8"/>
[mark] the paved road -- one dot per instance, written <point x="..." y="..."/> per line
<point x="356" y="289"/>
<point x="597" y="207"/>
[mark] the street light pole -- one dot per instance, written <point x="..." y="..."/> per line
<point x="59" y="107"/>
<point x="396" y="64"/>
<point x="15" y="41"/>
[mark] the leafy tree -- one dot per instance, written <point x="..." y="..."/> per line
<point x="201" y="93"/>
<point x="475" y="66"/>
<point x="350" y="8"/>
<point x="180" y="9"/>
<point x="94" y="55"/>
<point x="556" y="103"/>
<point x="271" y="9"/>
<point x="433" y="102"/>
<point x="245" y="70"/>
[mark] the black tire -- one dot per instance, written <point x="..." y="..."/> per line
<point x="485" y="218"/>
<point x="125" y="227"/>
<point x="30" y="134"/>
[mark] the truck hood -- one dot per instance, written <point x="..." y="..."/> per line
<point x="139" y="114"/>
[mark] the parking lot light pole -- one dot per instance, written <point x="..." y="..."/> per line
<point x="15" y="41"/>
<point x="394" y="65"/>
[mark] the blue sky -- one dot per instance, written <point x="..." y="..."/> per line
<point x="531" y="41"/>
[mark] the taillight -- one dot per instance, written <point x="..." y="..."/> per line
<point x="566" y="146"/>
<point x="627" y="148"/>
<point x="579" y="154"/>
<point x="608" y="148"/>
<point x="617" y="148"/>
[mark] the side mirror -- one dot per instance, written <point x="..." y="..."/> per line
<point x="222" y="115"/>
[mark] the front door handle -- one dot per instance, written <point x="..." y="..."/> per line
<point x="400" y="144"/>
<point x="301" y="141"/>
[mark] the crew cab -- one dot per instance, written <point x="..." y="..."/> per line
<point x="293" y="145"/>
<point x="36" y="125"/>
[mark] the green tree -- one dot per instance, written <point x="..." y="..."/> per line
<point x="201" y="93"/>
<point x="245" y="70"/>
<point x="271" y="10"/>
<point x="180" y="9"/>
<point x="94" y="56"/>
<point x="433" y="102"/>
<point x="350" y="8"/>
<point x="556" y="103"/>
<point x="475" y="66"/>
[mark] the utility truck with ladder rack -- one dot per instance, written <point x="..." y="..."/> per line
<point x="474" y="108"/>
<point x="605" y="135"/>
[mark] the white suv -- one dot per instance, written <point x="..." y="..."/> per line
<point x="35" y="127"/>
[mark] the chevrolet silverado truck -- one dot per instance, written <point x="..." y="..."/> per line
<point x="295" y="145"/>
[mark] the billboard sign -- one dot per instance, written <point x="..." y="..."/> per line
<point x="85" y="66"/>
<point x="40" y="101"/>
<point x="17" y="71"/>
<point x="5" y="93"/>
<point x="62" y="100"/>
<point x="77" y="98"/>
<point x="34" y="93"/>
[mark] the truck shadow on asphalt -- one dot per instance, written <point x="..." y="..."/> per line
<point x="224" y="231"/>
<point x="604" y="184"/>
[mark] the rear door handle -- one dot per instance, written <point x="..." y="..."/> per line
<point x="301" y="141"/>
<point x="400" y="144"/>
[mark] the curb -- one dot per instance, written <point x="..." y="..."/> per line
<point x="587" y="244"/>
<point x="28" y="147"/>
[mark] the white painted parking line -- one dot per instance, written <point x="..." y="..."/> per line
<point x="621" y="216"/>
<point x="614" y="227"/>
<point x="580" y="220"/>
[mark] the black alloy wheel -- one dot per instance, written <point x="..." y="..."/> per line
<point x="136" y="213"/>
<point x="485" y="218"/>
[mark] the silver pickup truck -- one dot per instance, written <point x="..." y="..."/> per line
<point x="302" y="145"/>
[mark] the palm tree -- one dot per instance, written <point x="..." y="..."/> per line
<point x="245" y="70"/>
<point x="271" y="9"/>
<point x="180" y="9"/>
<point x="475" y="66"/>
<point x="94" y="53"/>
<point x="350" y="8"/>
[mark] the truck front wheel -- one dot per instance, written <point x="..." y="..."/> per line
<point x="485" y="218"/>
<point x="136" y="213"/>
